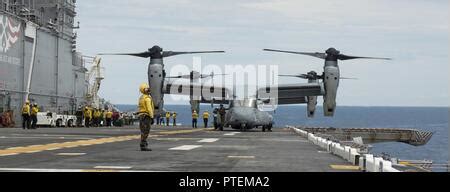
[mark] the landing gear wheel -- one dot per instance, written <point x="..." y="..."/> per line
<point x="70" y="123"/>
<point x="59" y="123"/>
<point x="243" y="127"/>
<point x="264" y="128"/>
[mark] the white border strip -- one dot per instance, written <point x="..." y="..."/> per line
<point x="366" y="162"/>
<point x="112" y="167"/>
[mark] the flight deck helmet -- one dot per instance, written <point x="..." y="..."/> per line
<point x="144" y="88"/>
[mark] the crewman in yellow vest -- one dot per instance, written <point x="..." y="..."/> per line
<point x="174" y="117"/>
<point x="146" y="114"/>
<point x="168" y="118"/>
<point x="26" y="115"/>
<point x="206" y="118"/>
<point x="108" y="118"/>
<point x="103" y="118"/>
<point x="87" y="116"/>
<point x="194" y="119"/>
<point x="97" y="115"/>
<point x="34" y="112"/>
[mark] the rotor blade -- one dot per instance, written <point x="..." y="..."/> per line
<point x="180" y="77"/>
<point x="347" y="78"/>
<point x="289" y="75"/>
<point x="318" y="55"/>
<point x="208" y="76"/>
<point x="171" y="53"/>
<point x="296" y="76"/>
<point x="143" y="54"/>
<point x="347" y="57"/>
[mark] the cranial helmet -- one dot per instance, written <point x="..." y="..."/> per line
<point x="143" y="87"/>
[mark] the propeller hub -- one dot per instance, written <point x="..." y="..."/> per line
<point x="312" y="76"/>
<point x="312" y="73"/>
<point x="332" y="51"/>
<point x="155" y="52"/>
<point x="155" y="49"/>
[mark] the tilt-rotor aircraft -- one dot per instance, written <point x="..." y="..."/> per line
<point x="331" y="77"/>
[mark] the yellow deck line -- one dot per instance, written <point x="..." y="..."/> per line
<point x="345" y="167"/>
<point x="82" y="143"/>
<point x="183" y="131"/>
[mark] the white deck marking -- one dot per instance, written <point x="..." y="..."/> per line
<point x="208" y="140"/>
<point x="232" y="134"/>
<point x="71" y="154"/>
<point x="241" y="157"/>
<point x="10" y="154"/>
<point x="185" y="148"/>
<point x="112" y="167"/>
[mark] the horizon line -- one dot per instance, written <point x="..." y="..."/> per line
<point x="405" y="106"/>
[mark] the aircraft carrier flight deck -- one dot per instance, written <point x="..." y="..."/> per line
<point x="177" y="149"/>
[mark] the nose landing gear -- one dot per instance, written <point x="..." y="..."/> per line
<point x="267" y="127"/>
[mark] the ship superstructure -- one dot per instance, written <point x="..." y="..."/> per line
<point x="38" y="56"/>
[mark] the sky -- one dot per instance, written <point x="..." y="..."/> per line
<point x="415" y="33"/>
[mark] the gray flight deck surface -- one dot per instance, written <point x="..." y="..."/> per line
<point x="174" y="149"/>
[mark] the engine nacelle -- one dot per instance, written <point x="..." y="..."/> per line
<point x="156" y="80"/>
<point x="329" y="110"/>
<point x="331" y="81"/>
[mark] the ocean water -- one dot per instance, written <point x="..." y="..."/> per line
<point x="421" y="118"/>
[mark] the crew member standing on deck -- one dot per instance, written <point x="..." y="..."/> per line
<point x="103" y="118"/>
<point x="93" y="119"/>
<point x="96" y="115"/>
<point x="109" y="114"/>
<point x="222" y="113"/>
<point x="174" y="116"/>
<point x="161" y="120"/>
<point x="194" y="119"/>
<point x="206" y="118"/>
<point x="26" y="115"/>
<point x="146" y="112"/>
<point x="87" y="116"/>
<point x="167" y="118"/>
<point x="158" y="119"/>
<point x="33" y="116"/>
